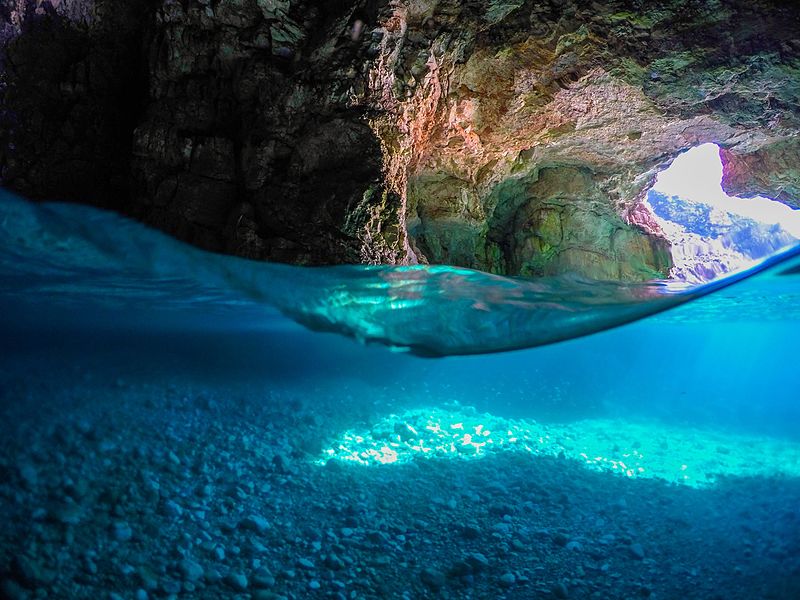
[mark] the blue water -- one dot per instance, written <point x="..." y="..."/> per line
<point x="180" y="424"/>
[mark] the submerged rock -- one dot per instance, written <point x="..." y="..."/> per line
<point x="432" y="578"/>
<point x="122" y="531"/>
<point x="637" y="551"/>
<point x="237" y="581"/>
<point x="191" y="570"/>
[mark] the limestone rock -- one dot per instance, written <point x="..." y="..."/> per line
<point x="510" y="136"/>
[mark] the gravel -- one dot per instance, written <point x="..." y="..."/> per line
<point x="92" y="497"/>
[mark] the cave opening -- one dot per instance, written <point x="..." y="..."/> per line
<point x="711" y="232"/>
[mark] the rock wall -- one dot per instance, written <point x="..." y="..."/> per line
<point x="537" y="127"/>
<point x="507" y="135"/>
<point x="72" y="86"/>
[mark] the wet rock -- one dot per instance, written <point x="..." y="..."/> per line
<point x="237" y="581"/>
<point x="559" y="539"/>
<point x="460" y="569"/>
<point x="255" y="523"/>
<point x="213" y="576"/>
<point x="334" y="563"/>
<point x="559" y="590"/>
<point x="191" y="570"/>
<point x="574" y="545"/>
<point x="637" y="551"/>
<point x="171" y="586"/>
<point x="432" y="578"/>
<point x="172" y="509"/>
<point x="304" y="563"/>
<point x="262" y="578"/>
<point x="28" y="474"/>
<point x="477" y="561"/>
<point x="31" y="573"/>
<point x="470" y="532"/>
<point x="121" y="531"/>
<point x="507" y="580"/>
<point x="11" y="590"/>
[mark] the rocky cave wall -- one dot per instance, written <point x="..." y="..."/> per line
<point x="507" y="135"/>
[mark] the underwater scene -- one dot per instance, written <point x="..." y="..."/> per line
<point x="177" y="424"/>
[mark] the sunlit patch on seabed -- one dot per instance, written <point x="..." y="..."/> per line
<point x="687" y="456"/>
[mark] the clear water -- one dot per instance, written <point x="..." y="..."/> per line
<point x="178" y="424"/>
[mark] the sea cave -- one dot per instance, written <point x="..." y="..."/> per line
<point x="399" y="299"/>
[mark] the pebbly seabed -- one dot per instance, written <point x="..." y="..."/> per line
<point x="117" y="487"/>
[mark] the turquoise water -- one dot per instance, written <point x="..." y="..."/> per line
<point x="179" y="424"/>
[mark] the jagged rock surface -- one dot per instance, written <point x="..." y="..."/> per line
<point x="513" y="136"/>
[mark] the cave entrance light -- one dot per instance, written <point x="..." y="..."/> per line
<point x="712" y="233"/>
<point x="696" y="177"/>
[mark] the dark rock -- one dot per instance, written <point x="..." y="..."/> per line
<point x="11" y="590"/>
<point x="432" y="578"/>
<point x="459" y="569"/>
<point x="255" y="523"/>
<point x="191" y="570"/>
<point x="637" y="551"/>
<point x="559" y="590"/>
<point x="237" y="581"/>
<point x="30" y="573"/>
<point x="262" y="578"/>
<point x="477" y="561"/>
<point x="470" y="532"/>
<point x="122" y="531"/>
<point x="507" y="580"/>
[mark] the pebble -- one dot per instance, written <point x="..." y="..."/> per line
<point x="636" y="551"/>
<point x="560" y="590"/>
<point x="432" y="578"/>
<point x="237" y="581"/>
<point x="172" y="509"/>
<point x="255" y="523"/>
<point x="573" y="545"/>
<point x="334" y="563"/>
<point x="29" y="475"/>
<point x="213" y="576"/>
<point x="190" y="570"/>
<point x="12" y="590"/>
<point x="170" y="586"/>
<point x="470" y="532"/>
<point x="262" y="578"/>
<point x="122" y="531"/>
<point x="460" y="569"/>
<point x="507" y="579"/>
<point x="477" y="561"/>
